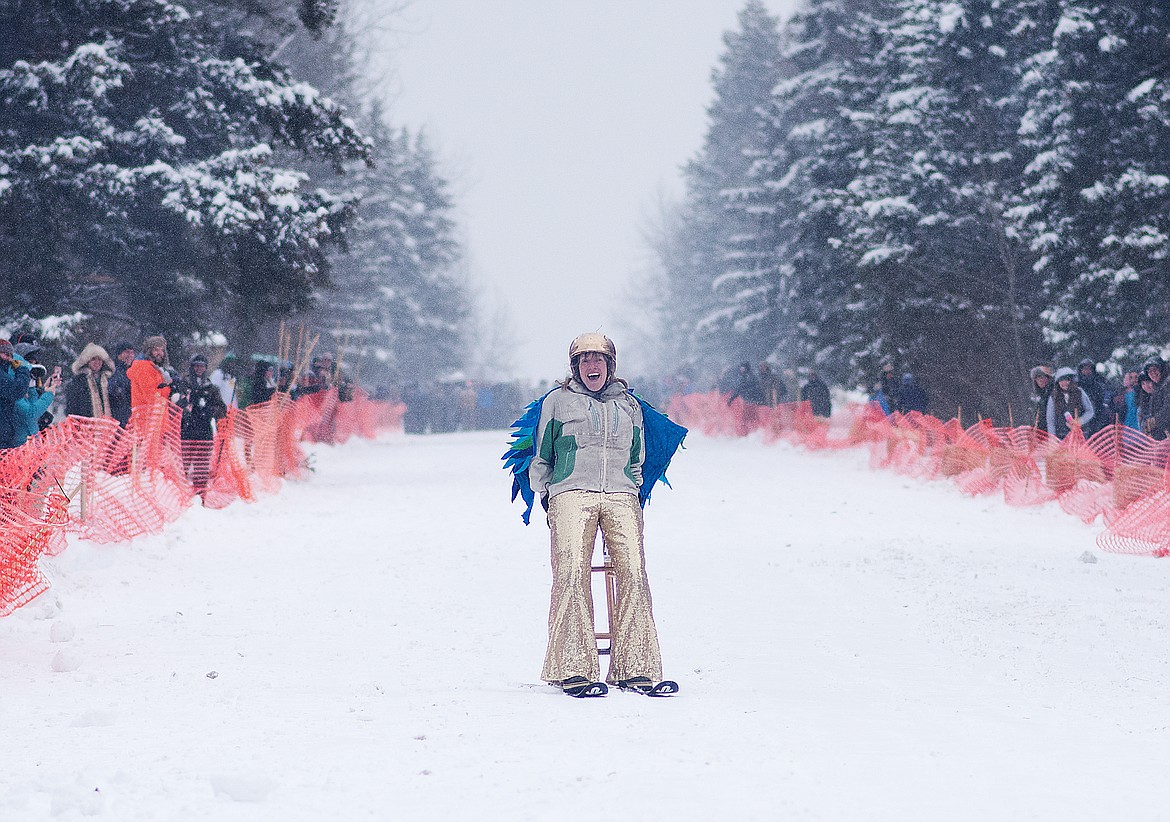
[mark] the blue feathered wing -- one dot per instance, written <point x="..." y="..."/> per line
<point x="663" y="438"/>
<point x="520" y="452"/>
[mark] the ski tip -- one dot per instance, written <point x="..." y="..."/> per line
<point x="666" y="687"/>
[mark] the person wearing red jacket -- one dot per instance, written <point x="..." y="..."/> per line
<point x="149" y="377"/>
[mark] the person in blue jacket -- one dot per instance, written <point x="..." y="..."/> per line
<point x="35" y="402"/>
<point x="14" y="380"/>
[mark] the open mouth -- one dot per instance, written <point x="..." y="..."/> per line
<point x="593" y="375"/>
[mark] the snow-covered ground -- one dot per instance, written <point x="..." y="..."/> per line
<point x="366" y="645"/>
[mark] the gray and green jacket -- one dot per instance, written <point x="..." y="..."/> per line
<point x="588" y="442"/>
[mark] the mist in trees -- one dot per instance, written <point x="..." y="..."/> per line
<point x="964" y="189"/>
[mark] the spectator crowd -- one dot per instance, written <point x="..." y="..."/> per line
<point x="1140" y="400"/>
<point x="112" y="382"/>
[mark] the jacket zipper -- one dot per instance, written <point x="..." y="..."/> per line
<point x="604" y="444"/>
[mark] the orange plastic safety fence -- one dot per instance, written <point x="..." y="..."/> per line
<point x="109" y="484"/>
<point x="30" y="525"/>
<point x="1119" y="474"/>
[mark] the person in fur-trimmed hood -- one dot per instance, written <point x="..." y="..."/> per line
<point x="88" y="393"/>
<point x="1068" y="402"/>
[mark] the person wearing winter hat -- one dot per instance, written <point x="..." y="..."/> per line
<point x="1155" y="367"/>
<point x="120" y="390"/>
<point x="590" y="446"/>
<point x="912" y="396"/>
<point x="1157" y="421"/>
<point x="200" y="400"/>
<point x="747" y="386"/>
<point x="88" y="393"/>
<point x="14" y="381"/>
<point x="1126" y="401"/>
<point x="202" y="405"/>
<point x="263" y="382"/>
<point x="1147" y="388"/>
<point x="1098" y="390"/>
<point x="1067" y="403"/>
<point x="1041" y="390"/>
<point x="35" y="404"/>
<point x="890" y="386"/>
<point x="29" y="351"/>
<point x="148" y="375"/>
<point x="123" y="352"/>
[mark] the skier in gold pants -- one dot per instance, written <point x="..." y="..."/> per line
<point x="587" y="468"/>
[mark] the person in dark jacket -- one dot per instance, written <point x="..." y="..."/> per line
<point x="911" y="396"/>
<point x="263" y="382"/>
<point x="1147" y="388"/>
<point x="1068" y="402"/>
<point x="1094" y="385"/>
<point x="200" y="400"/>
<point x="1156" y="368"/>
<point x="816" y="393"/>
<point x="14" y="381"/>
<point x="88" y="393"/>
<point x="202" y="403"/>
<point x="1151" y="385"/>
<point x="119" y="385"/>
<point x="1041" y="390"/>
<point x="417" y="400"/>
<point x="746" y="386"/>
<point x="1158" y="425"/>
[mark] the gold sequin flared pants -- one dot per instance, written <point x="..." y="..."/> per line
<point x="574" y="517"/>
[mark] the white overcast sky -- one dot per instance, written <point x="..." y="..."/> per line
<point x="562" y="125"/>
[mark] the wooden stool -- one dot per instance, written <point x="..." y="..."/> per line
<point x="609" y="579"/>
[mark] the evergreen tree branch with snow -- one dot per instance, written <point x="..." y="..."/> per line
<point x="139" y="174"/>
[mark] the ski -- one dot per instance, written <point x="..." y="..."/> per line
<point x="643" y="685"/>
<point x="580" y="687"/>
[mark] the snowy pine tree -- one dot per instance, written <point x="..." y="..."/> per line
<point x="707" y="275"/>
<point x="819" y="124"/>
<point x="950" y="287"/>
<point x="137" y="173"/>
<point x="1096" y="206"/>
